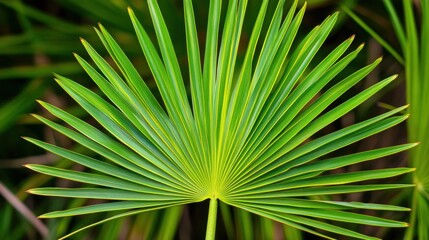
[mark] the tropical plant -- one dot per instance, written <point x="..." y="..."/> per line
<point x="415" y="59"/>
<point x="36" y="39"/>
<point x="248" y="137"/>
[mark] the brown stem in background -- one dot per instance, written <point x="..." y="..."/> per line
<point x="21" y="208"/>
<point x="20" y="162"/>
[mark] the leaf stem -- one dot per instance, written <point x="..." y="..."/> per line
<point x="211" y="222"/>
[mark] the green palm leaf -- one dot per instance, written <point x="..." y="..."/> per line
<point x="246" y="137"/>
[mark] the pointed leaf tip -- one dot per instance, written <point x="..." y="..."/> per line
<point x="24" y="137"/>
<point x="42" y="103"/>
<point x="130" y="10"/>
<point x="30" y="166"/>
<point x="304" y="5"/>
<point x="102" y="28"/>
<point x="56" y="76"/>
<point x="95" y="28"/>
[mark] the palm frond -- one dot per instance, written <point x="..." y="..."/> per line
<point x="414" y="44"/>
<point x="247" y="136"/>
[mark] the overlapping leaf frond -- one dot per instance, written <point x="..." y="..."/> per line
<point x="413" y="37"/>
<point x="244" y="138"/>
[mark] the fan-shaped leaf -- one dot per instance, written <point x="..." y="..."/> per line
<point x="247" y="136"/>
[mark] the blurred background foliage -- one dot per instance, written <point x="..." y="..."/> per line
<point x="37" y="38"/>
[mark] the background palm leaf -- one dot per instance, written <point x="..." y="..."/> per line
<point x="245" y="139"/>
<point x="415" y="49"/>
